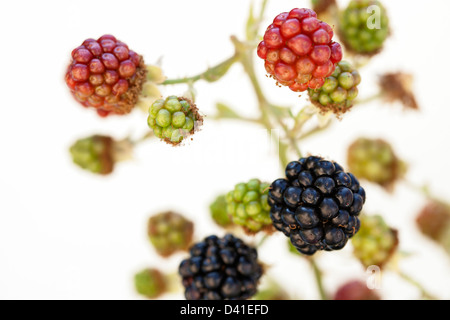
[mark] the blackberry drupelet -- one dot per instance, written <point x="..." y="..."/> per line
<point x="221" y="268"/>
<point x="317" y="205"/>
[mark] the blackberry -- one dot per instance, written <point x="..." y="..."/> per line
<point x="172" y="119"/>
<point x="339" y="90"/>
<point x="248" y="207"/>
<point x="375" y="243"/>
<point x="221" y="269"/>
<point x="355" y="29"/>
<point x="316" y="205"/>
<point x="170" y="232"/>
<point x="150" y="283"/>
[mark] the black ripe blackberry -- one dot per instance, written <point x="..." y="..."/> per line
<point x="220" y="269"/>
<point x="317" y="205"/>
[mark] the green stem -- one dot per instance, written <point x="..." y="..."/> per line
<point x="262" y="240"/>
<point x="425" y="294"/>
<point x="246" y="59"/>
<point x="145" y="137"/>
<point x="315" y="130"/>
<point x="369" y="99"/>
<point x="211" y="74"/>
<point x="318" y="278"/>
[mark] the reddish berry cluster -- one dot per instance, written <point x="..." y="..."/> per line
<point x="106" y="75"/>
<point x="298" y="50"/>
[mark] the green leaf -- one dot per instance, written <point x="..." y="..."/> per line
<point x="226" y="112"/>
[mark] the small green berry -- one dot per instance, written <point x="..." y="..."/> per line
<point x="178" y="119"/>
<point x="173" y="105"/>
<point x="339" y="95"/>
<point x="346" y="80"/>
<point x="188" y="125"/>
<point x="156" y="106"/>
<point x="163" y="118"/>
<point x="330" y="84"/>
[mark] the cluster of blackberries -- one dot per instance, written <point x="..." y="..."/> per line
<point x="220" y="268"/>
<point x="317" y="206"/>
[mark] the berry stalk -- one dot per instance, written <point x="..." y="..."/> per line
<point x="211" y="74"/>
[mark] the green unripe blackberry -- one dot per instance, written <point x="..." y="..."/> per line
<point x="94" y="153"/>
<point x="247" y="205"/>
<point x="339" y="90"/>
<point x="362" y="30"/>
<point x="375" y="161"/>
<point x="375" y="242"/>
<point x="170" y="232"/>
<point x="173" y="119"/>
<point x="150" y="283"/>
<point x="218" y="210"/>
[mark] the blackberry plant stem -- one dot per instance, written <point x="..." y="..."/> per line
<point x="425" y="294"/>
<point x="211" y="74"/>
<point x="318" y="277"/>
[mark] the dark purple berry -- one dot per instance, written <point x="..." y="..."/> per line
<point x="288" y="217"/>
<point x="334" y="236"/>
<point x="305" y="178"/>
<point x="345" y="196"/>
<point x="341" y="220"/>
<point x="357" y="205"/>
<point x="343" y="179"/>
<point x="277" y="189"/>
<point x="292" y="196"/>
<point x="311" y="196"/>
<point x="326" y="185"/>
<point x="324" y="168"/>
<point x="306" y="217"/>
<point x="328" y="208"/>
<point x="293" y="169"/>
<point x="312" y="236"/>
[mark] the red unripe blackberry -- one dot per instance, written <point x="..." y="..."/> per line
<point x="106" y="75"/>
<point x="298" y="50"/>
<point x="355" y="290"/>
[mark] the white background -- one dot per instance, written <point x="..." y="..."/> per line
<point x="66" y="234"/>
